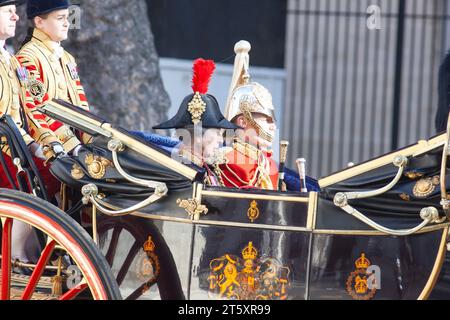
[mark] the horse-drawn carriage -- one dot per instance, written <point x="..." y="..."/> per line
<point x="151" y="230"/>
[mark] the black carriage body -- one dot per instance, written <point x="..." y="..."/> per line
<point x="279" y="255"/>
<point x="268" y="245"/>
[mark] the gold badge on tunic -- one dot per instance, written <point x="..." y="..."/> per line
<point x="36" y="89"/>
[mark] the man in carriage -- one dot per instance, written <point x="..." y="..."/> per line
<point x="199" y="123"/>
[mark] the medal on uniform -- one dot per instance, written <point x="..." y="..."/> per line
<point x="36" y="89"/>
<point x="22" y="74"/>
<point x="73" y="70"/>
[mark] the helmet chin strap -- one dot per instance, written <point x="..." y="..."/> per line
<point x="260" y="130"/>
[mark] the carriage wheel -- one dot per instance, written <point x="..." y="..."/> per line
<point x="164" y="275"/>
<point x="140" y="236"/>
<point x="62" y="234"/>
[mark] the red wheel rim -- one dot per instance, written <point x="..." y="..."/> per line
<point x="10" y="211"/>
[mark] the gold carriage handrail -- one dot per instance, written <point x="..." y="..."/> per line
<point x="68" y="115"/>
<point x="90" y="194"/>
<point x="400" y="161"/>
<point x="429" y="214"/>
<point x="116" y="146"/>
<point x="445" y="203"/>
<point x="90" y="191"/>
<point x="414" y="150"/>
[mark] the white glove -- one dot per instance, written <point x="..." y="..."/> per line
<point x="76" y="150"/>
<point x="36" y="150"/>
<point x="57" y="148"/>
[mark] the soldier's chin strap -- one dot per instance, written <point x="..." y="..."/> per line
<point x="260" y="130"/>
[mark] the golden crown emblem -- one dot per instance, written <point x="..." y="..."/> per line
<point x="362" y="262"/>
<point x="361" y="285"/>
<point x="249" y="252"/>
<point x="149" y="245"/>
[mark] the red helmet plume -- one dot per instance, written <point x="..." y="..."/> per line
<point x="203" y="70"/>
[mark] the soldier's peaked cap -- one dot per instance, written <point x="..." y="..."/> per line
<point x="11" y="2"/>
<point x="39" y="7"/>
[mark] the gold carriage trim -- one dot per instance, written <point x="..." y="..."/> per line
<point x="413" y="175"/>
<point x="249" y="277"/>
<point x="97" y="165"/>
<point x="149" y="245"/>
<point x="424" y="187"/>
<point x="404" y="196"/>
<point x="149" y="266"/>
<point x="357" y="283"/>
<point x="196" y="108"/>
<point x="77" y="172"/>
<point x="192" y="207"/>
<point x="253" y="211"/>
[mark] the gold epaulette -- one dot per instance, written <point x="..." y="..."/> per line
<point x="246" y="149"/>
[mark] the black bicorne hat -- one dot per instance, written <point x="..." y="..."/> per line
<point x="39" y="7"/>
<point x="11" y="2"/>
<point x="199" y="106"/>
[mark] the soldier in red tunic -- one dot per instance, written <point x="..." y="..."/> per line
<point x="248" y="162"/>
<point x="53" y="71"/>
<point x="16" y="101"/>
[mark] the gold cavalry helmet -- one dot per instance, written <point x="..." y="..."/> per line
<point x="246" y="97"/>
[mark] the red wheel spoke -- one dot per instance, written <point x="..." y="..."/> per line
<point x="39" y="269"/>
<point x="6" y="260"/>
<point x="72" y="293"/>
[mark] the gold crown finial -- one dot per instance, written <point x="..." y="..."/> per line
<point x="249" y="252"/>
<point x="149" y="245"/>
<point x="362" y="262"/>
